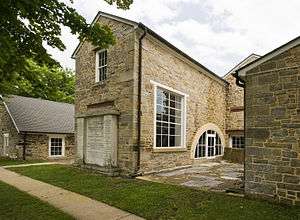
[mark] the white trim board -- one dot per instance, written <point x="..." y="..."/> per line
<point x="168" y="88"/>
<point x="252" y="57"/>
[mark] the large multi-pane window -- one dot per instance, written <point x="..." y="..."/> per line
<point x="101" y="65"/>
<point x="238" y="142"/>
<point x="209" y="145"/>
<point x="56" y="146"/>
<point x="169" y="119"/>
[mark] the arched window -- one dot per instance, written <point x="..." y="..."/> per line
<point x="209" y="145"/>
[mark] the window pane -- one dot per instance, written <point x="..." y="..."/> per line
<point x="178" y="141"/>
<point x="165" y="141"/>
<point x="172" y="141"/>
<point x="158" y="140"/>
<point x="158" y="130"/>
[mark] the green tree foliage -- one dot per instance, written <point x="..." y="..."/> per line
<point x="26" y="24"/>
<point x="40" y="81"/>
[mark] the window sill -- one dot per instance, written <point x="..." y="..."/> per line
<point x="102" y="83"/>
<point x="169" y="149"/>
<point x="56" y="157"/>
<point x="209" y="158"/>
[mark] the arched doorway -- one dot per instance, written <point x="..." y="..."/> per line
<point x="209" y="145"/>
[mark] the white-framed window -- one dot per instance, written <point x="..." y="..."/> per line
<point x="6" y="140"/>
<point x="237" y="141"/>
<point x="56" y="146"/>
<point x="101" y="65"/>
<point x="169" y="117"/>
<point x="209" y="145"/>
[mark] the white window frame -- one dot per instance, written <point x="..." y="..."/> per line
<point x="183" y="115"/>
<point x="206" y="146"/>
<point x="97" y="76"/>
<point x="5" y="142"/>
<point x="63" y="145"/>
<point x="230" y="144"/>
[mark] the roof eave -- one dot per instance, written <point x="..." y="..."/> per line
<point x="243" y="70"/>
<point x="10" y="115"/>
<point x="99" y="14"/>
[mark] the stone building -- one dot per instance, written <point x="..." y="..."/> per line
<point x="235" y="115"/>
<point x="143" y="106"/>
<point x="272" y="129"/>
<point x="33" y="128"/>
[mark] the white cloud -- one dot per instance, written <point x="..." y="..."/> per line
<point x="217" y="33"/>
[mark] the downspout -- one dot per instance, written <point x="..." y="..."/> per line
<point x="241" y="83"/>
<point x="139" y="113"/>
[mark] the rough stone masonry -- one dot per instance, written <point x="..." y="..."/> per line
<point x="272" y="164"/>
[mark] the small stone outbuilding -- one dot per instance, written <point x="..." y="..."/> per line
<point x="32" y="128"/>
<point x="272" y="128"/>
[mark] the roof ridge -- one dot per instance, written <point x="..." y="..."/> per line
<point x="40" y="99"/>
<point x="249" y="56"/>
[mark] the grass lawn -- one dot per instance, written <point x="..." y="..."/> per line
<point x="15" y="204"/>
<point x="5" y="161"/>
<point x="155" y="200"/>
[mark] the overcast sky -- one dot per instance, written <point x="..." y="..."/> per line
<point x="217" y="33"/>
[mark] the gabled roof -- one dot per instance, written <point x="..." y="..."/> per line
<point x="252" y="57"/>
<point x="242" y="71"/>
<point x="155" y="35"/>
<point x="40" y="116"/>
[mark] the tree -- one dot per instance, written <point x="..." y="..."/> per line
<point x="40" y="81"/>
<point x="26" y="24"/>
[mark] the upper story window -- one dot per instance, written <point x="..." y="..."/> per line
<point x="238" y="142"/>
<point x="169" y="119"/>
<point x="101" y="65"/>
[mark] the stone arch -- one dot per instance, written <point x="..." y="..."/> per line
<point x="208" y="126"/>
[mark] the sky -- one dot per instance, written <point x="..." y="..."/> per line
<point x="216" y="33"/>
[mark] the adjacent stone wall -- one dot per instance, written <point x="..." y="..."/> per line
<point x="37" y="146"/>
<point x="7" y="126"/>
<point x="206" y="102"/>
<point x="113" y="96"/>
<point x="272" y="163"/>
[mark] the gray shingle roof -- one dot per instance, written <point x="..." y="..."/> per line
<point x="38" y="115"/>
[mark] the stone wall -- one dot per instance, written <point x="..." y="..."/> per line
<point x="113" y="96"/>
<point x="37" y="146"/>
<point x="7" y="126"/>
<point x="272" y="163"/>
<point x="205" y="103"/>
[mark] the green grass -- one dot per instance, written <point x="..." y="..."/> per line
<point x="158" y="201"/>
<point x="15" y="204"/>
<point x="5" y="161"/>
